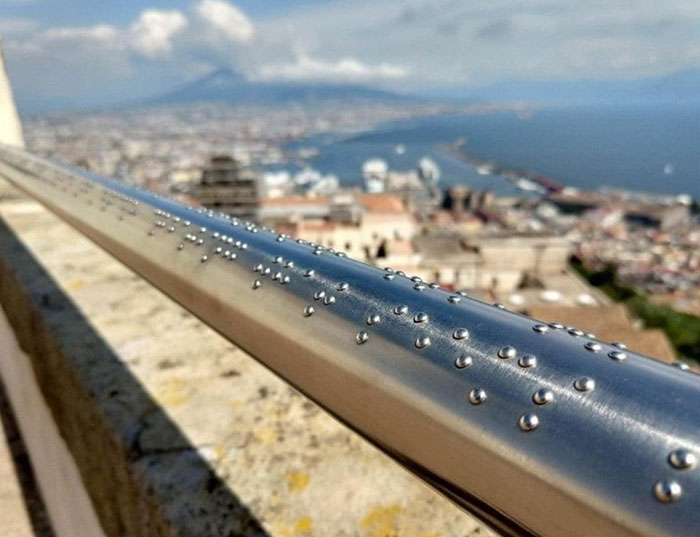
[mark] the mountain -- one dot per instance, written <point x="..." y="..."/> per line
<point x="229" y="86"/>
<point x="682" y="87"/>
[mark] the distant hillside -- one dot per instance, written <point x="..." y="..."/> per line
<point x="226" y="85"/>
<point x="678" y="88"/>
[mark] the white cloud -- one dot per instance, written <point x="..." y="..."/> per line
<point x="345" y="69"/>
<point x="152" y="33"/>
<point x="226" y="19"/>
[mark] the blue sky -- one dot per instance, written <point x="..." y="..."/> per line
<point x="106" y="51"/>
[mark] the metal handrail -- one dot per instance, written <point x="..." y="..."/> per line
<point x="537" y="428"/>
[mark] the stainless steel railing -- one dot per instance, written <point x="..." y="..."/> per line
<point x="538" y="429"/>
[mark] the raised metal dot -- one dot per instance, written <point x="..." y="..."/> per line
<point x="619" y="345"/>
<point x="575" y="332"/>
<point x="420" y="317"/>
<point x="584" y="384"/>
<point x="200" y="241"/>
<point x="343" y="286"/>
<point x="400" y="273"/>
<point x="419" y="287"/>
<point x="277" y="259"/>
<point x="542" y="396"/>
<point x="618" y="356"/>
<point x="289" y="264"/>
<point x="266" y="271"/>
<point x="285" y="279"/>
<point x="389" y="277"/>
<point x="507" y="352"/>
<point x="454" y="299"/>
<point x="592" y="346"/>
<point x="277" y="276"/>
<point x="416" y="279"/>
<point x="527" y="361"/>
<point x="257" y="284"/>
<point x="244" y="246"/>
<point x="681" y="365"/>
<point x="329" y="300"/>
<point x="422" y="342"/>
<point x="227" y="254"/>
<point x="374" y="319"/>
<point x="590" y="335"/>
<point x="232" y="256"/>
<point x="462" y="293"/>
<point x="541" y="328"/>
<point x="463" y="361"/>
<point x="180" y="246"/>
<point x="318" y="295"/>
<point x="318" y="252"/>
<point x="528" y="421"/>
<point x="309" y="310"/>
<point x="309" y="273"/>
<point x="218" y="250"/>
<point x="682" y="459"/>
<point x="667" y="490"/>
<point x="477" y="396"/>
<point x="204" y="258"/>
<point x="388" y="269"/>
<point x="401" y="310"/>
<point x="557" y="326"/>
<point x="461" y="333"/>
<point x="499" y="306"/>
<point x="361" y="337"/>
<point x="434" y="286"/>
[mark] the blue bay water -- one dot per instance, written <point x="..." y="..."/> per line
<point x="649" y="149"/>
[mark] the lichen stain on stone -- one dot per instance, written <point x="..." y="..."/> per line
<point x="303" y="526"/>
<point x="381" y="521"/>
<point x="266" y="435"/>
<point x="173" y="393"/>
<point x="297" y="482"/>
<point x="74" y="285"/>
<point x="237" y="404"/>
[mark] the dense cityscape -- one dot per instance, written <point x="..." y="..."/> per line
<point x="512" y="250"/>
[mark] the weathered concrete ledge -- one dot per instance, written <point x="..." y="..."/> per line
<point x="172" y="429"/>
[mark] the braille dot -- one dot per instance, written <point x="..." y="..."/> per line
<point x="401" y="310"/>
<point x="681" y="365"/>
<point x="541" y="328"/>
<point x="180" y="246"/>
<point x="419" y="287"/>
<point x="667" y="490"/>
<point x="584" y="384"/>
<point x="309" y="273"/>
<point x="232" y="256"/>
<point x="499" y="306"/>
<point x="276" y="276"/>
<point x="218" y="250"/>
<point x="528" y="421"/>
<point x="422" y="342"/>
<point x="507" y="352"/>
<point x="575" y="332"/>
<point x="318" y="252"/>
<point x="373" y="319"/>
<point x="200" y="241"/>
<point x="361" y="337"/>
<point x="463" y="361"/>
<point x="592" y="346"/>
<point x="329" y="300"/>
<point x="389" y="277"/>
<point x="682" y="459"/>
<point x="400" y="273"/>
<point x="527" y="361"/>
<point x="416" y="279"/>
<point x="318" y="295"/>
<point x="618" y="356"/>
<point x="461" y="333"/>
<point x="276" y="260"/>
<point x="542" y="396"/>
<point x="309" y="310"/>
<point x="477" y="396"/>
<point x="343" y="286"/>
<point x="434" y="286"/>
<point x="454" y="299"/>
<point x="204" y="258"/>
<point x="557" y="326"/>
<point x="420" y="317"/>
<point x="388" y="269"/>
<point x="285" y="279"/>
<point x="257" y="284"/>
<point x="289" y="264"/>
<point x="266" y="271"/>
<point x="619" y="345"/>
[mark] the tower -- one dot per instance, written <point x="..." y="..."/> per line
<point x="10" y="126"/>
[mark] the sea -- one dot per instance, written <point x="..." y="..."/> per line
<point x="643" y="149"/>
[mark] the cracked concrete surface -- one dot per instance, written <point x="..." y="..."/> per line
<point x="175" y="430"/>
